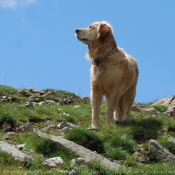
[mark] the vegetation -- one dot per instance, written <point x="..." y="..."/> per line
<point x="161" y="108"/>
<point x="116" y="142"/>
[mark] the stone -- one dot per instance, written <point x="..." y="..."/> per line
<point x="63" y="171"/>
<point x="68" y="100"/>
<point x="10" y="135"/>
<point x="49" y="128"/>
<point x="172" y="139"/>
<point x="32" y="98"/>
<point x="24" y="93"/>
<point x="49" y="93"/>
<point x="79" y="160"/>
<point x="160" y="152"/>
<point x="33" y="90"/>
<point x="53" y="162"/>
<point x="163" y="101"/>
<point x="77" y="106"/>
<point x="81" y="151"/>
<point x="21" y="146"/>
<point x="75" y="171"/>
<point x="170" y="111"/>
<point x="41" y="103"/>
<point x="65" y="114"/>
<point x="26" y="127"/>
<point x="16" y="153"/>
<point x="144" y="159"/>
<point x="65" y="124"/>
<point x="170" y="102"/>
<point x="50" y="102"/>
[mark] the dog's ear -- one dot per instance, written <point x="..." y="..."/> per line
<point x="104" y="30"/>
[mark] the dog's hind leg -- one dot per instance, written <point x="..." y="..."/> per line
<point x="126" y="103"/>
<point x="111" y="101"/>
<point x="118" y="111"/>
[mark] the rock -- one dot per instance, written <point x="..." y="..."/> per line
<point x="165" y="101"/>
<point x="143" y="109"/>
<point x="81" y="151"/>
<point x="21" y="146"/>
<point x="29" y="104"/>
<point x="136" y="154"/>
<point x="49" y="128"/>
<point x="63" y="172"/>
<point x="49" y="93"/>
<point x="41" y="103"/>
<point x="135" y="108"/>
<point x="66" y="114"/>
<point x="33" y="90"/>
<point x="79" y="160"/>
<point x="67" y="100"/>
<point x="75" y="171"/>
<point x="7" y="126"/>
<point x="50" y="102"/>
<point x="144" y="159"/>
<point x="77" y="106"/>
<point x="65" y="124"/>
<point x="26" y="127"/>
<point x="160" y="152"/>
<point x="32" y="98"/>
<point x="17" y="154"/>
<point x="172" y="139"/>
<point x="170" y="111"/>
<point x="53" y="162"/>
<point x="24" y="93"/>
<point x="10" y="135"/>
<point x="172" y="101"/>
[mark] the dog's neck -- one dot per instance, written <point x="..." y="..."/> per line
<point x="99" y="60"/>
<point x="99" y="50"/>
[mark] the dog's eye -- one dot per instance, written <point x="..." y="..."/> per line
<point x="90" y="27"/>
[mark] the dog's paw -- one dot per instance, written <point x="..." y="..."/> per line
<point x="93" y="128"/>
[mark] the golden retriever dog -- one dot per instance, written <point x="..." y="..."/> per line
<point x="114" y="73"/>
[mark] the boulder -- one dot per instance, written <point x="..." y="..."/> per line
<point x="165" y="101"/>
<point x="53" y="162"/>
<point x="65" y="124"/>
<point x="160" y="152"/>
<point x="16" y="153"/>
<point x="10" y="135"/>
<point x="75" y="171"/>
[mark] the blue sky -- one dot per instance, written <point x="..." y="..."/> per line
<point x="38" y="47"/>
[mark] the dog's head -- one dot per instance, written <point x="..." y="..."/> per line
<point x="96" y="31"/>
<point x="99" y="38"/>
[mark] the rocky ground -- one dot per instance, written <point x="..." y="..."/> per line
<point x="32" y="97"/>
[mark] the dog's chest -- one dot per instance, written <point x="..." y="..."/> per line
<point x="101" y="75"/>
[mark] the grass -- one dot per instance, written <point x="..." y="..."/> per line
<point x="161" y="108"/>
<point x="116" y="142"/>
<point x="88" y="139"/>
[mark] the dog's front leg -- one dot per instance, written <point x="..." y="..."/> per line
<point x="96" y="98"/>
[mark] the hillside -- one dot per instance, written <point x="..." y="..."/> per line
<point x="60" y="113"/>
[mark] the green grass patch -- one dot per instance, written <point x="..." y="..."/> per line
<point x="161" y="108"/>
<point x="88" y="139"/>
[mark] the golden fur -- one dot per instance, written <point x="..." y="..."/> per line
<point x="114" y="73"/>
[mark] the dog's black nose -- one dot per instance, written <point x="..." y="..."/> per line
<point x="77" y="30"/>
